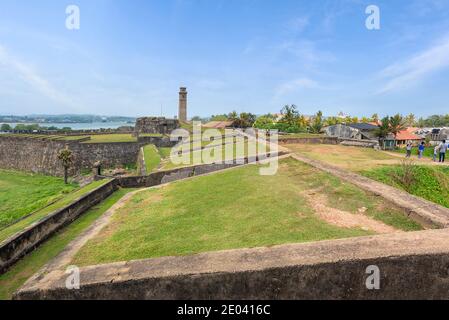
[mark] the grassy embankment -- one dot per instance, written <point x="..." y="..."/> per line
<point x="30" y="264"/>
<point x="37" y="215"/>
<point x="428" y="181"/>
<point x="23" y="193"/>
<point x="234" y="209"/>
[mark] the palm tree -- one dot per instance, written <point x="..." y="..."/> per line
<point x="66" y="157"/>
<point x="410" y="120"/>
<point x="383" y="130"/>
<point x="290" y="114"/>
<point x="396" y="125"/>
<point x="317" y="123"/>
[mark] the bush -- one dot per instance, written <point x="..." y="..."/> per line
<point x="405" y="175"/>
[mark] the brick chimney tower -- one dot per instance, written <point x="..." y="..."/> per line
<point x="182" y="114"/>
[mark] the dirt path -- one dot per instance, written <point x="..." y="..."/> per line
<point x="424" y="160"/>
<point x="342" y="218"/>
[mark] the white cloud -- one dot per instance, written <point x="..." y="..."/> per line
<point x="30" y="76"/>
<point x="405" y="74"/>
<point x="296" y="84"/>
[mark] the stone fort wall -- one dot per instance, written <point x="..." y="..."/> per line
<point x="41" y="156"/>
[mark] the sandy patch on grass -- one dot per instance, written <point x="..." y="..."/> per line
<point x="342" y="218"/>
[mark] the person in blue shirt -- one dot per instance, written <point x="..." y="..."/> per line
<point x="421" y="149"/>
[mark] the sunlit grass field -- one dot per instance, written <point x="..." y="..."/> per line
<point x="233" y="209"/>
<point x="23" y="193"/>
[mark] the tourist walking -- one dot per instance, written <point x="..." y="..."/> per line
<point x="436" y="152"/>
<point x="443" y="150"/>
<point x="421" y="149"/>
<point x="409" y="150"/>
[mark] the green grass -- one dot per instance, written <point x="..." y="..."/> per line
<point x="23" y="193"/>
<point x="431" y="183"/>
<point x="38" y="215"/>
<point x="152" y="158"/>
<point x="428" y="152"/>
<point x="233" y="209"/>
<point x="103" y="138"/>
<point x="260" y="147"/>
<point x="157" y="135"/>
<point x="12" y="280"/>
<point x="112" y="138"/>
<point x="164" y="152"/>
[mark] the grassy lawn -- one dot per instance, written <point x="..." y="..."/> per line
<point x="152" y="158"/>
<point x="23" y="193"/>
<point x="431" y="183"/>
<point x="233" y="209"/>
<point x="103" y="138"/>
<point x="167" y="164"/>
<point x="157" y="135"/>
<point x="428" y="152"/>
<point x="350" y="158"/>
<point x="36" y="216"/>
<point x="12" y="280"/>
<point x="109" y="138"/>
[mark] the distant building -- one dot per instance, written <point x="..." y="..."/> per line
<point x="407" y="136"/>
<point x="437" y="135"/>
<point x="155" y="125"/>
<point x="361" y="131"/>
<point x="182" y="114"/>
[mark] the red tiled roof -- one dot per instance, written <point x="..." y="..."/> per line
<point x="406" y="135"/>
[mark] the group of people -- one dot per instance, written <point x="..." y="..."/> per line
<point x="438" y="152"/>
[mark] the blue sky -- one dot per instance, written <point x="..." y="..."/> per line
<point x="131" y="57"/>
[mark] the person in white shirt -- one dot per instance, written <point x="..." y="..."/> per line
<point x="436" y="152"/>
<point x="409" y="150"/>
<point x="443" y="150"/>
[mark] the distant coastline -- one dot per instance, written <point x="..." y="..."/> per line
<point x="78" y="126"/>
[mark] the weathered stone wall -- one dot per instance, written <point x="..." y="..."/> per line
<point x="331" y="140"/>
<point x="160" y="142"/>
<point x="41" y="156"/>
<point x="342" y="131"/>
<point x="411" y="265"/>
<point x="14" y="248"/>
<point x="161" y="177"/>
<point x="156" y="125"/>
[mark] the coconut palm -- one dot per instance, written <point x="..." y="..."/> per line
<point x="66" y="157"/>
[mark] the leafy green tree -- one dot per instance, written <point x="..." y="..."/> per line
<point x="246" y="120"/>
<point x="410" y="120"/>
<point x="383" y="130"/>
<point x="375" y="117"/>
<point x="264" y="122"/>
<point x="6" y="127"/>
<point x="220" y="117"/>
<point x="290" y="115"/>
<point x="66" y="158"/>
<point x="317" y="123"/>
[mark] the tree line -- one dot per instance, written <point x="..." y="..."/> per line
<point x="291" y="120"/>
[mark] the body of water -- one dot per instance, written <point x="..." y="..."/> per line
<point x="82" y="126"/>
